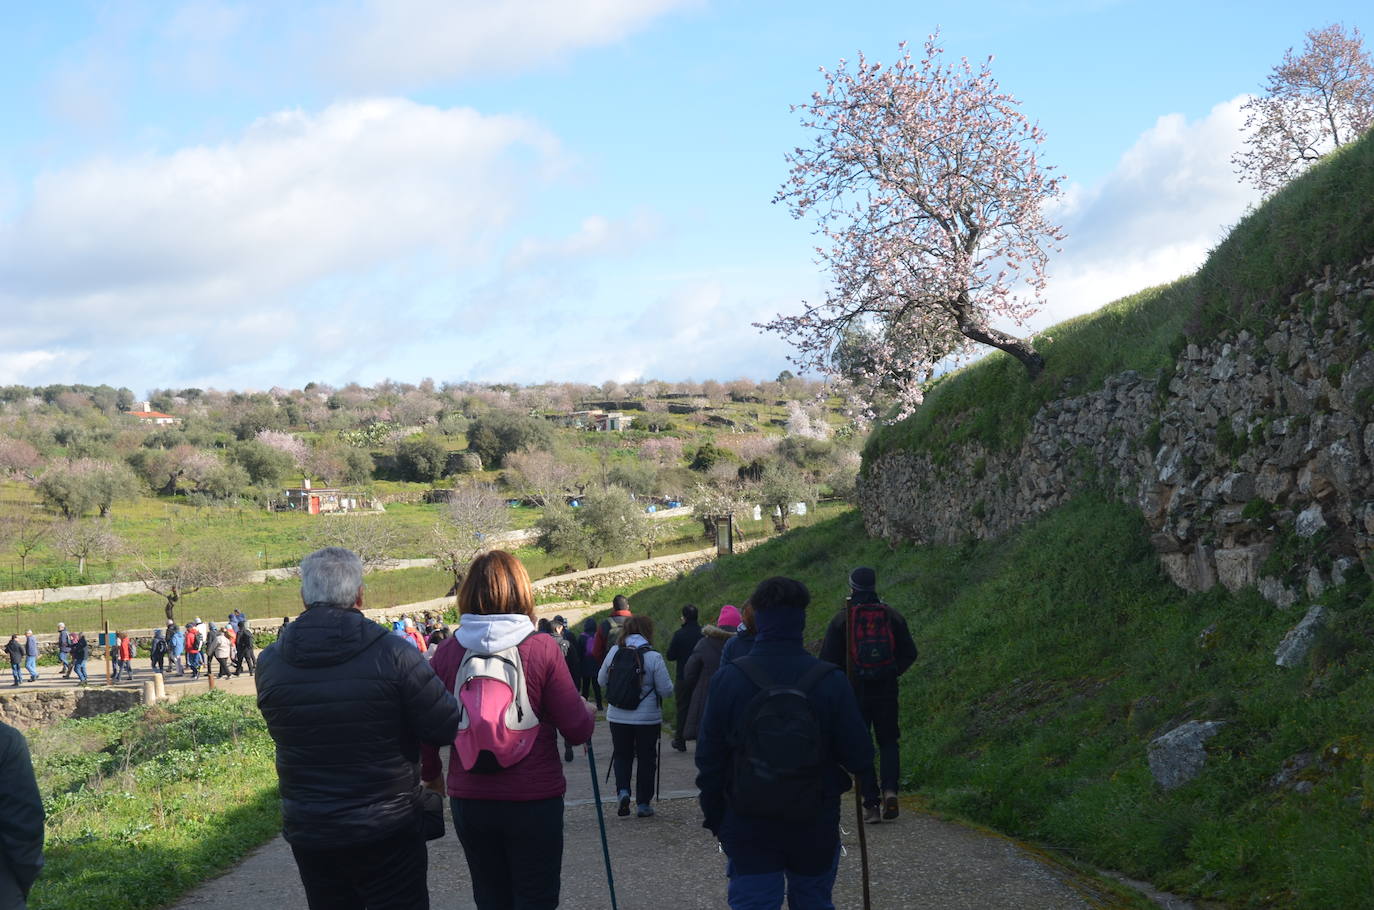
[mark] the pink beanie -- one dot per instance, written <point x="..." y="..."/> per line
<point x="729" y="616"/>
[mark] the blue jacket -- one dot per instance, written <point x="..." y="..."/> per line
<point x="742" y="645"/>
<point x="778" y="648"/>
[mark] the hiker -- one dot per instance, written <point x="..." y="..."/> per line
<point x="157" y="651"/>
<point x="586" y="650"/>
<point x="505" y="785"/>
<point x="558" y="628"/>
<point x="64" y="649"/>
<point x="21" y="806"/>
<point x="679" y="650"/>
<point x="879" y="652"/>
<point x="348" y="705"/>
<point x="31" y="655"/>
<point x="611" y="628"/>
<point x="193" y="642"/>
<point x="635" y="678"/>
<point x="245" y="655"/>
<point x="14" y="649"/>
<point x="703" y="663"/>
<point x="177" y="638"/>
<point x="124" y="656"/>
<point x="281" y="629"/>
<point x="743" y="641"/>
<point x="412" y="635"/>
<point x="81" y="650"/>
<point x="774" y="801"/>
<point x="220" y="650"/>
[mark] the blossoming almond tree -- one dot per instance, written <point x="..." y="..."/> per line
<point x="925" y="183"/>
<point x="1311" y="104"/>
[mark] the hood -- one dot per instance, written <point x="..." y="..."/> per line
<point x="780" y="624"/>
<point x="636" y="641"/>
<point x="493" y="632"/>
<point x="325" y="636"/>
<point x="720" y="632"/>
<point x="157" y="634"/>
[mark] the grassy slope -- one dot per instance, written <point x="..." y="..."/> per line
<point x="1049" y="661"/>
<point x="1323" y="219"/>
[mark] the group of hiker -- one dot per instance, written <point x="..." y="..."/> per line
<point x="359" y="717"/>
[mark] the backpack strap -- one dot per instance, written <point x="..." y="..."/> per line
<point x="753" y="672"/>
<point x="756" y="675"/>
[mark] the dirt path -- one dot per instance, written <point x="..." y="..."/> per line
<point x="669" y="862"/>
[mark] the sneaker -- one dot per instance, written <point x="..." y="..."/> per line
<point x="624" y="809"/>
<point x="872" y="815"/>
<point x="890" y="807"/>
<point x="644" y="810"/>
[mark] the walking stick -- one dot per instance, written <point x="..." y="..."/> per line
<point x="858" y="788"/>
<point x="601" y="822"/>
<point x="658" y="766"/>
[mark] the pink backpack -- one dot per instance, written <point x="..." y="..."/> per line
<point x="498" y="725"/>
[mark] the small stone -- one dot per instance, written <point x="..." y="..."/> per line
<point x="1276" y="592"/>
<point x="1179" y="755"/>
<point x="1292" y="651"/>
<point x="1310" y="521"/>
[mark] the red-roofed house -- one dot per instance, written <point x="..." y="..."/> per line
<point x="147" y="415"/>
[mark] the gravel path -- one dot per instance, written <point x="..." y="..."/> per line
<point x="669" y="862"/>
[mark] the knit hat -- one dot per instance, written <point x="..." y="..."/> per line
<point x="729" y="616"/>
<point x="863" y="579"/>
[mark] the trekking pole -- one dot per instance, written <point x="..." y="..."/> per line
<point x="658" y="767"/>
<point x="601" y="822"/>
<point x="858" y="787"/>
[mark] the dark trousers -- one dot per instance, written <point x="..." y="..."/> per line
<point x="590" y="685"/>
<point x="158" y="660"/>
<point x="881" y="715"/>
<point x="223" y="667"/>
<point x="390" y="874"/>
<point x="246" y="656"/>
<point x="684" y="704"/>
<point x="514" y="851"/>
<point x="768" y="859"/>
<point x="632" y="743"/>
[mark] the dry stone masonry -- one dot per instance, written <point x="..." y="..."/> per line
<point x="1253" y="462"/>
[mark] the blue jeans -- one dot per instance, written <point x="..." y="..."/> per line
<point x="31" y="664"/>
<point x="80" y="667"/>
<point x="17" y="677"/>
<point x="768" y="860"/>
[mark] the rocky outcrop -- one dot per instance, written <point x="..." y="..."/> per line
<point x="1252" y="460"/>
<point x="1179" y="755"/>
<point x="1292" y="651"/>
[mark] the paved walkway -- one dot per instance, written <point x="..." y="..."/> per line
<point x="669" y="862"/>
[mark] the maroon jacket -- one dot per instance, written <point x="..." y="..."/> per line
<point x="559" y="708"/>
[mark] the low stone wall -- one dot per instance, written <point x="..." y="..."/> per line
<point x="39" y="707"/>
<point x="1255" y="447"/>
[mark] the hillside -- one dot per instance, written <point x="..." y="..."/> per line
<point x="1051" y="659"/>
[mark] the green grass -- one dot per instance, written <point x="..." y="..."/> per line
<point x="1324" y="219"/>
<point x="146" y="804"/>
<point x="1048" y="662"/>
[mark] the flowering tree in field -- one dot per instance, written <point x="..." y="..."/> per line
<point x="467" y="527"/>
<point x="1312" y="104"/>
<point x="925" y="184"/>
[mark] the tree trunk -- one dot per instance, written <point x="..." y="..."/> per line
<point x="1019" y="348"/>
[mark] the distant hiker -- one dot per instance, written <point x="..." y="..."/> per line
<point x="221" y="651"/>
<point x="573" y="661"/>
<point x="244" y="654"/>
<point x="774" y="800"/>
<point x="348" y="705"/>
<point x="177" y="640"/>
<point x="679" y="650"/>
<point x="157" y="652"/>
<point x="81" y="650"/>
<point x="874" y="653"/>
<point x="504" y="779"/>
<point x="743" y="641"/>
<point x="193" y="643"/>
<point x="209" y="643"/>
<point x="610" y="630"/>
<point x="64" y="649"/>
<point x="31" y="655"/>
<point x="413" y="635"/>
<point x="281" y="629"/>
<point x="124" y="656"/>
<point x="21" y="807"/>
<point x="635" y="678"/>
<point x="586" y="650"/>
<point x="14" y="649"/>
<point x="703" y="663"/>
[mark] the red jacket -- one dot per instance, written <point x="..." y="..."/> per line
<point x="126" y="651"/>
<point x="560" y="709"/>
<point x="602" y="645"/>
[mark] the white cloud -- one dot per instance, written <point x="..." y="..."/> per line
<point x="1170" y="199"/>
<point x="208" y="243"/>
<point x="407" y="42"/>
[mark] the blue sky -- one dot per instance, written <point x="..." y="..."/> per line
<point x="246" y="194"/>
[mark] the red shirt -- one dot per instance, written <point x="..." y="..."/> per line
<point x="560" y="709"/>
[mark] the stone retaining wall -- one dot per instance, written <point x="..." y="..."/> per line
<point x="1255" y="447"/>
<point x="39" y="707"/>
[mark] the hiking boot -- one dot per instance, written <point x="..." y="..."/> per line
<point x="567" y="753"/>
<point x="644" y="810"/>
<point x="680" y="745"/>
<point x="890" y="807"/>
<point x="624" y="809"/>
<point x="872" y="815"/>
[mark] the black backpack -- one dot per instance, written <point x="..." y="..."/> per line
<point x="872" y="644"/>
<point x="780" y="754"/>
<point x="625" y="678"/>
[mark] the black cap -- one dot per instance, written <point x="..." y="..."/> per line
<point x="863" y="579"/>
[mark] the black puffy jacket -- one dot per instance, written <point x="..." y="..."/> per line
<point x="348" y="703"/>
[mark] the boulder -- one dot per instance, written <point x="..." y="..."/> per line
<point x="1292" y="651"/>
<point x="1276" y="592"/>
<point x="1179" y="755"/>
<point x="1239" y="567"/>
<point x="1310" y="521"/>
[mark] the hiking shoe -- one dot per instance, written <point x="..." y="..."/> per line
<point x="890" y="808"/>
<point x="644" y="811"/>
<point x="624" y="809"/>
<point x="680" y="745"/>
<point x="872" y="815"/>
<point x="567" y="753"/>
